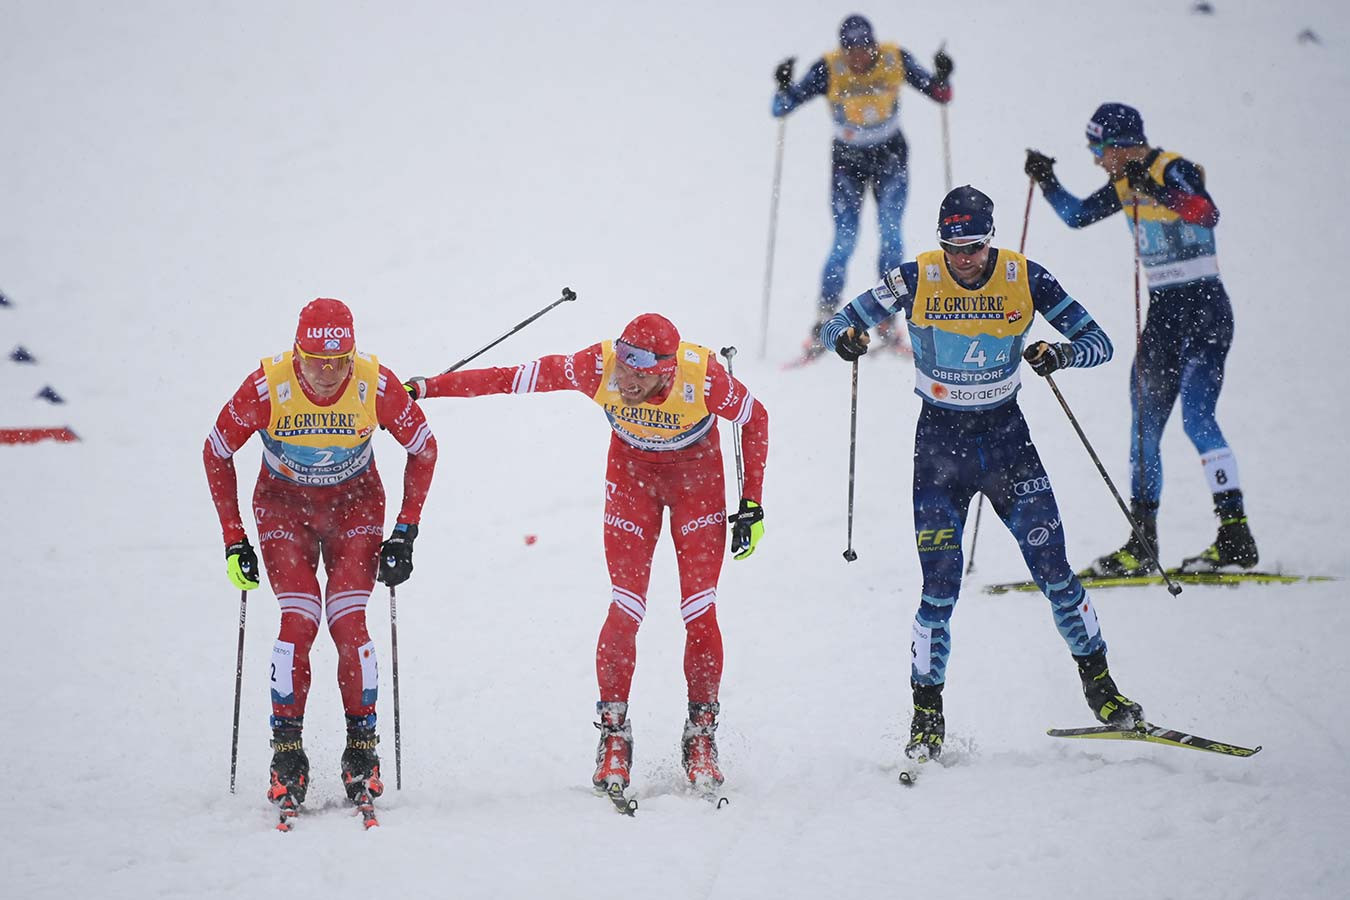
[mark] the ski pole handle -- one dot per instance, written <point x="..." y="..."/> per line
<point x="729" y="353"/>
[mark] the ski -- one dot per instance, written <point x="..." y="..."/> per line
<point x="1156" y="735"/>
<point x="709" y="792"/>
<point x="1229" y="579"/>
<point x="614" y="793"/>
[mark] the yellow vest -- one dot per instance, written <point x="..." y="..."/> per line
<point x="1171" y="251"/>
<point x="308" y="444"/>
<point x="866" y="107"/>
<point x="680" y="421"/>
<point x="968" y="343"/>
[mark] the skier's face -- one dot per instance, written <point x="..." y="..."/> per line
<point x="967" y="266"/>
<point x="634" y="386"/>
<point x="861" y="59"/>
<point x="324" y="374"/>
<point x="1113" y="159"/>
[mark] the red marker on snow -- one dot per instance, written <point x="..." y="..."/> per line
<point x="530" y="539"/>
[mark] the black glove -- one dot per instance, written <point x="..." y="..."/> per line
<point x="1045" y="358"/>
<point x="241" y="565"/>
<point x="1039" y="166"/>
<point x="783" y="74"/>
<point x="747" y="527"/>
<point x="396" y="555"/>
<point x="1136" y="173"/>
<point x="942" y="66"/>
<point x="851" y="345"/>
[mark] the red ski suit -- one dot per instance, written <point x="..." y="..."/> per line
<point x="681" y="471"/>
<point x="297" y="523"/>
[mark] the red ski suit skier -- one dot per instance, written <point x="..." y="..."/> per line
<point x="664" y="454"/>
<point x="339" y="514"/>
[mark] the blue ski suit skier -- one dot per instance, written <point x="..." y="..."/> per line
<point x="862" y="81"/>
<point x="1186" y="338"/>
<point x="968" y="307"/>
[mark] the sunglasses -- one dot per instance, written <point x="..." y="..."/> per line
<point x="638" y="357"/>
<point x="968" y="249"/>
<point x="326" y="360"/>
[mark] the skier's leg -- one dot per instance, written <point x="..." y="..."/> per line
<point x="290" y="555"/>
<point x="891" y="187"/>
<point x="632" y="525"/>
<point x="351" y="557"/>
<point x="1154" y="383"/>
<point x="846" y="193"/>
<point x="697" y="500"/>
<point x="1209" y="339"/>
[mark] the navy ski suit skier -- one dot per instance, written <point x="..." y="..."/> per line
<point x="968" y="308"/>
<point x="862" y="81"/>
<point x="1187" y="334"/>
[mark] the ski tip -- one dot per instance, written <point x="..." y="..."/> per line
<point x="907" y="779"/>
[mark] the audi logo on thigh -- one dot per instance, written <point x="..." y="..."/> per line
<point x="1032" y="486"/>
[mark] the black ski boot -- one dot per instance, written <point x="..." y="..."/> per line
<point x="927" y="728"/>
<point x="1103" y="697"/>
<point x="1133" y="558"/>
<point x="290" y="765"/>
<point x="1234" y="548"/>
<point x="360" y="763"/>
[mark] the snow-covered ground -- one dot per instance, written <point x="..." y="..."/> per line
<point x="180" y="178"/>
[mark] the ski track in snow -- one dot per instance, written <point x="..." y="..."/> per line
<point x="180" y="179"/>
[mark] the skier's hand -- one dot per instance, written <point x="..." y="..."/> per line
<point x="851" y="345"/>
<point x="942" y="66"/>
<point x="396" y="555"/>
<point x="1045" y="358"/>
<point x="1039" y="166"/>
<point x="783" y="73"/>
<point x="416" y="387"/>
<point x="1136" y="173"/>
<point x="747" y="527"/>
<point x="241" y="565"/>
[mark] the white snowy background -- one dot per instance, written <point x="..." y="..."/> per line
<point x="179" y="178"/>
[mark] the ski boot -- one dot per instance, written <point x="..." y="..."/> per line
<point x="698" y="749"/>
<point x="1133" y="559"/>
<point x="812" y="348"/>
<point x="614" y="755"/>
<point x="289" y="771"/>
<point x="927" y="728"/>
<point x="1234" y="548"/>
<point x="360" y="763"/>
<point x="1103" y="697"/>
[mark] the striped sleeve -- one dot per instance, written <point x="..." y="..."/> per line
<point x="1091" y="346"/>
<point x="894" y="295"/>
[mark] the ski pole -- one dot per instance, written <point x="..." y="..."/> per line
<point x="1021" y="248"/>
<point x="773" y="234"/>
<point x="728" y="353"/>
<point x="1138" y="345"/>
<point x="393" y="652"/>
<point x="567" y="294"/>
<point x="946" y="137"/>
<point x="238" y="686"/>
<point x="1172" y="587"/>
<point x="849" y="554"/>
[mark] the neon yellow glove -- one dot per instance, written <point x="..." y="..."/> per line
<point x="747" y="527"/>
<point x="241" y="565"/>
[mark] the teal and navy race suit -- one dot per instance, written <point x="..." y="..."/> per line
<point x="1189" y="329"/>
<point x="971" y="437"/>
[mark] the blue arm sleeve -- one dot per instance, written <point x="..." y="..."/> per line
<point x="919" y="78"/>
<point x="894" y="295"/>
<point x="1079" y="213"/>
<point x="1091" y="346"/>
<point x="817" y="81"/>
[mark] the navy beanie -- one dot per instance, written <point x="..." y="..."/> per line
<point x="855" y="31"/>
<point x="965" y="213"/>
<point x="1116" y="125"/>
